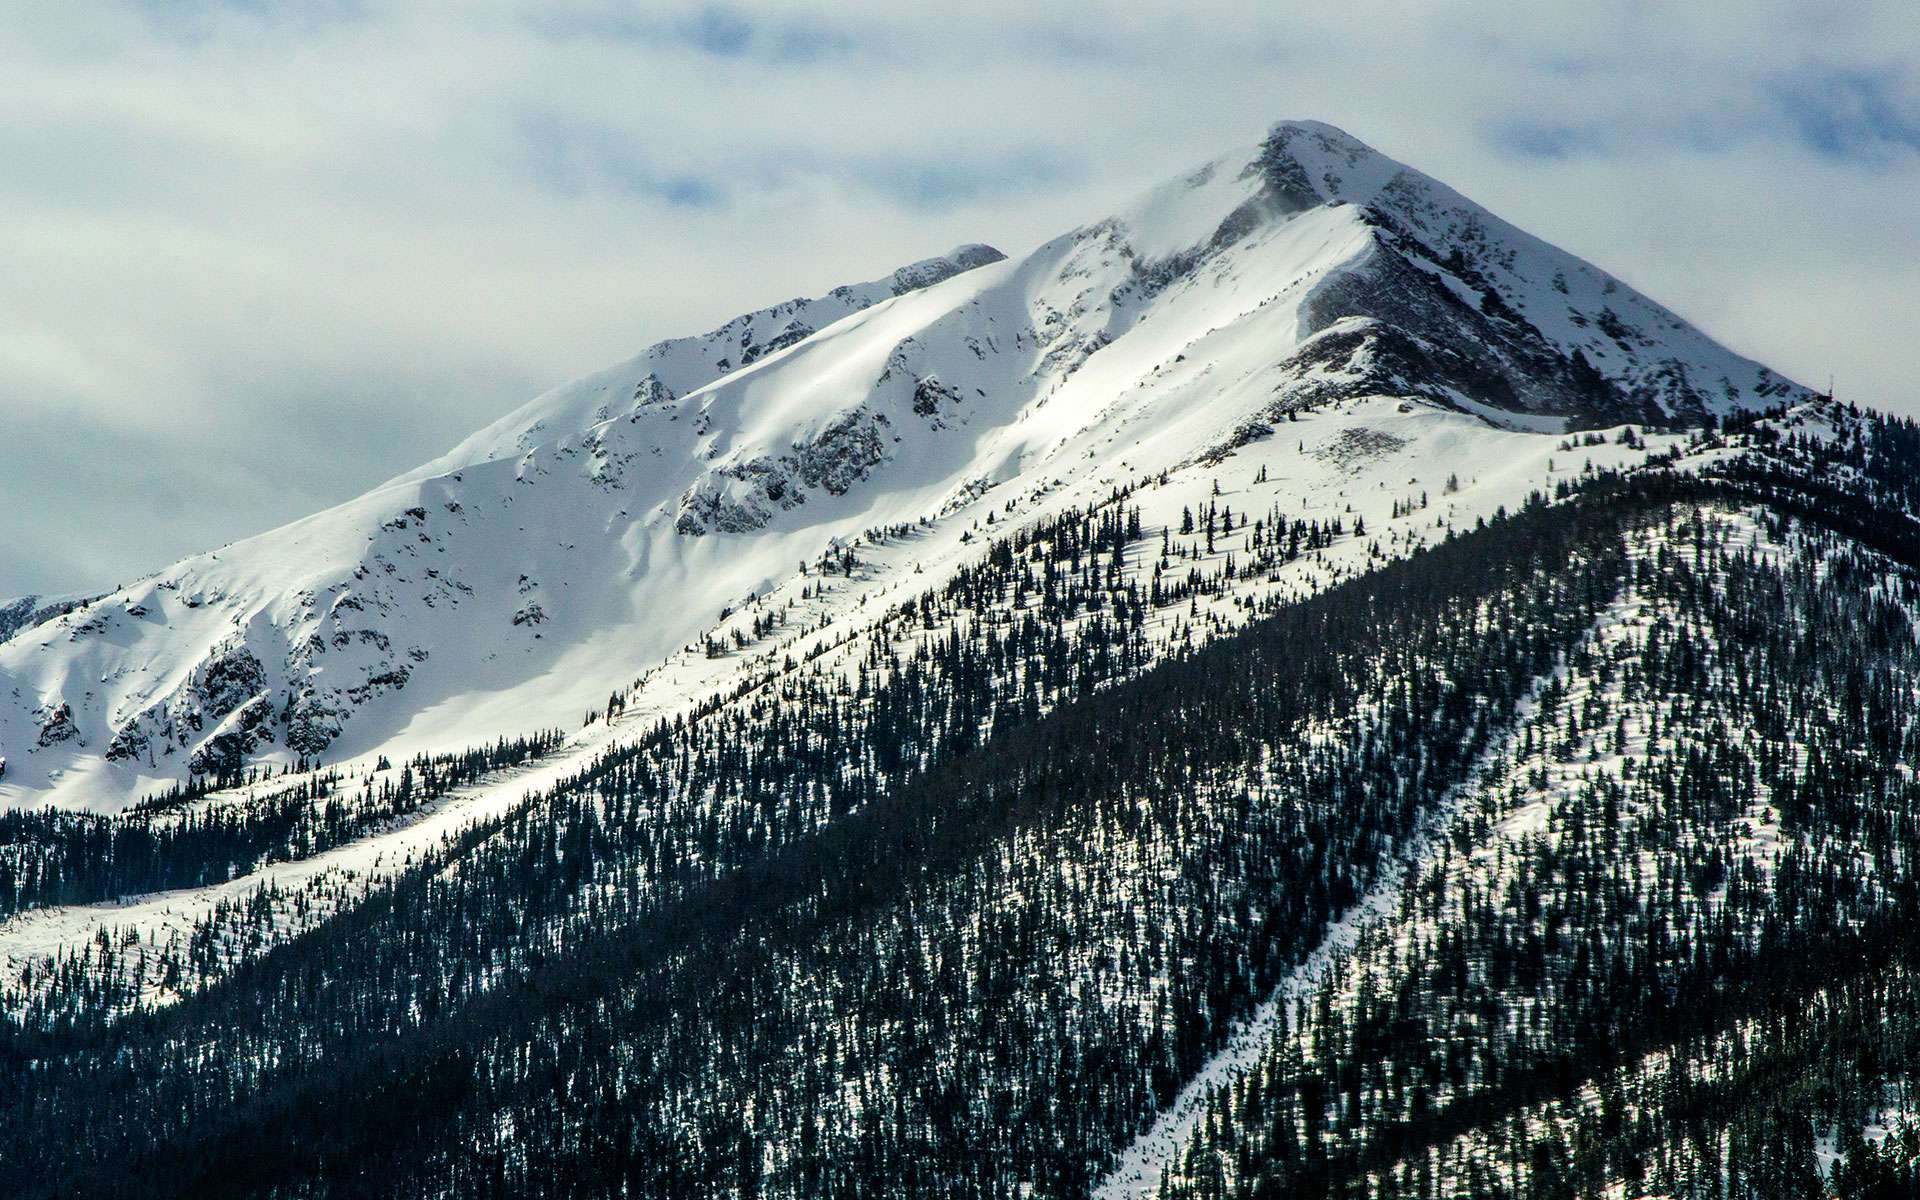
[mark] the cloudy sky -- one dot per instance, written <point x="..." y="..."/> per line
<point x="256" y="257"/>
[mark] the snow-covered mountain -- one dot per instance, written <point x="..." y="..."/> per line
<point x="1291" y="689"/>
<point x="612" y="523"/>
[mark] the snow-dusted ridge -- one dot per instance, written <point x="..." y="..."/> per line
<point x="598" y="531"/>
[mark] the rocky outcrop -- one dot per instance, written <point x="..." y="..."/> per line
<point x="928" y="272"/>
<point x="57" y="725"/>
<point x="229" y="680"/>
<point x="247" y="729"/>
<point x="312" y="723"/>
<point x="742" y="497"/>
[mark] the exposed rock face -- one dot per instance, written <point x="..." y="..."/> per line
<point x="913" y="277"/>
<point x="229" y="680"/>
<point x="930" y="394"/>
<point x="1454" y="303"/>
<point x="312" y="724"/>
<point x="1286" y="175"/>
<point x="131" y="742"/>
<point x="57" y="725"/>
<point x="845" y="453"/>
<point x="248" y="728"/>
<point x="744" y="496"/>
<point x="793" y="332"/>
<point x="651" y="390"/>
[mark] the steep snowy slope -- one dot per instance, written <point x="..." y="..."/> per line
<point x="548" y="560"/>
<point x="670" y="369"/>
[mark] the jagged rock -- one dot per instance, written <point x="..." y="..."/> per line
<point x="312" y="725"/>
<point x="793" y="332"/>
<point x="651" y="390"/>
<point x="925" y="274"/>
<point x="929" y="394"/>
<point x="226" y="752"/>
<point x="229" y="680"/>
<point x="744" y="496"/>
<point x="384" y="678"/>
<point x="57" y="725"/>
<point x="1286" y="177"/>
<point x="130" y="741"/>
<point x="844" y="453"/>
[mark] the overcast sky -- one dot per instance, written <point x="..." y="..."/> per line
<point x="256" y="257"/>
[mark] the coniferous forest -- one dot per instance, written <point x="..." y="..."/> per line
<point x="1600" y="820"/>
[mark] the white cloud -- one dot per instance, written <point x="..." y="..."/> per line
<point x="259" y="257"/>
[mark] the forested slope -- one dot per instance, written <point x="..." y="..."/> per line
<point x="1636" y="765"/>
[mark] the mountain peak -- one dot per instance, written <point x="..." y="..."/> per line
<point x="1448" y="300"/>
<point x="929" y="271"/>
<point x="1305" y="163"/>
<point x="1308" y="125"/>
<point x="595" y="530"/>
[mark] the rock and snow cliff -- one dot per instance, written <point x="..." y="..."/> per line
<point x="513" y="582"/>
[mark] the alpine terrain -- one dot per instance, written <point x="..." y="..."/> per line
<point x="1293" y="688"/>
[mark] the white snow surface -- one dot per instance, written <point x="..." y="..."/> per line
<point x="595" y="534"/>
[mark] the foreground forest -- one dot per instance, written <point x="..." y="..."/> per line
<point x="1570" y="856"/>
